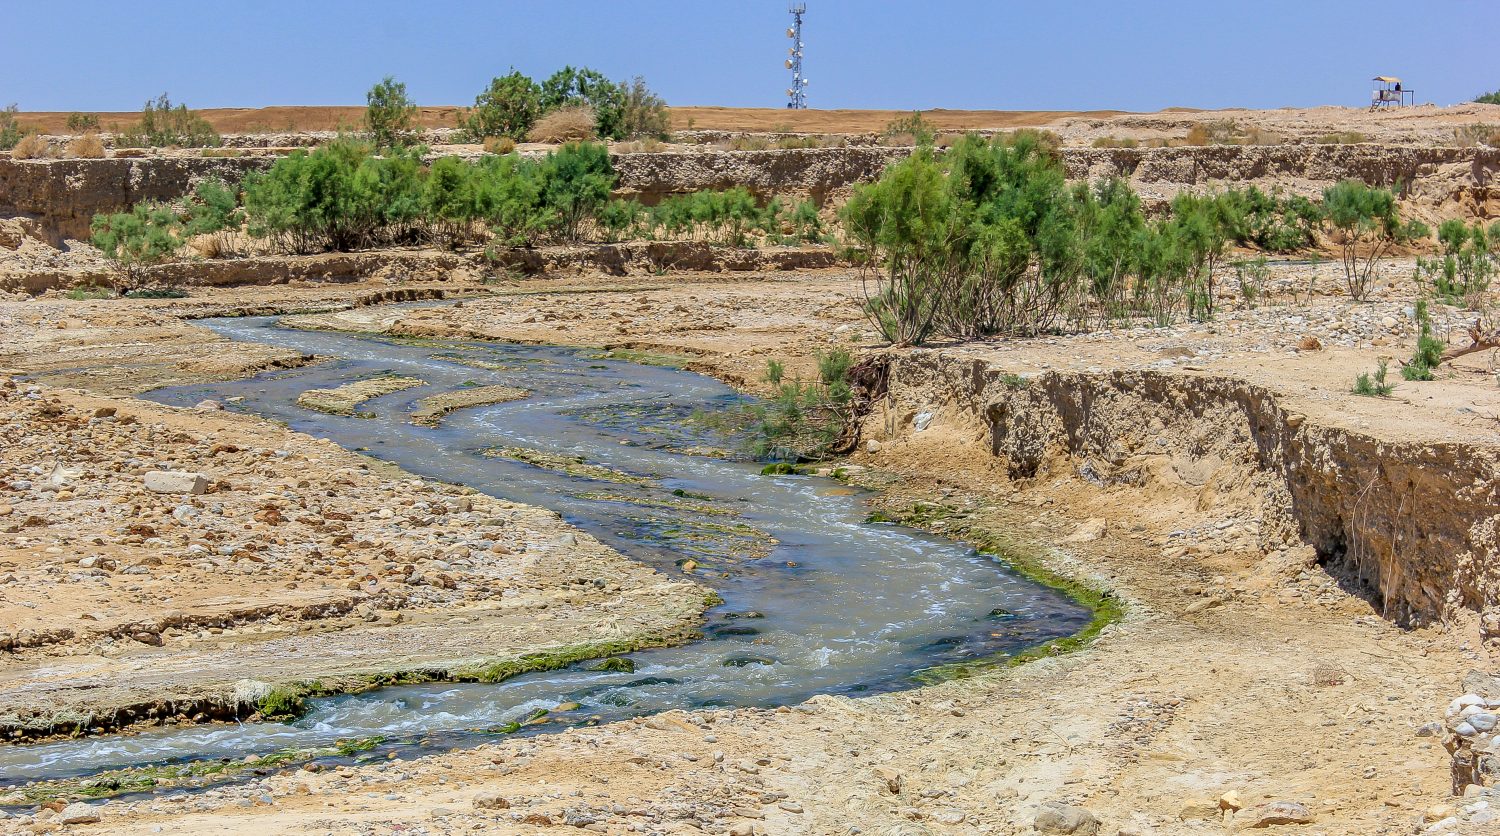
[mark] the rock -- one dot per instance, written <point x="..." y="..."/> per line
<point x="491" y="801"/>
<point x="78" y="813"/>
<point x="872" y="446"/>
<point x="1278" y="812"/>
<point x="1230" y="801"/>
<point x="891" y="778"/>
<point x="1199" y="808"/>
<point x="1056" y="817"/>
<point x="1309" y="343"/>
<point x="208" y="405"/>
<point x="743" y="828"/>
<point x="922" y="421"/>
<point x="1089" y="531"/>
<point x="172" y="481"/>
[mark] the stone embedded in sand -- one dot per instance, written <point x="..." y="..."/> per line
<point x="171" y="481"/>
<point x="1278" y="812"/>
<point x="1065" y="818"/>
<point x="491" y="801"/>
<point x="1089" y="531"/>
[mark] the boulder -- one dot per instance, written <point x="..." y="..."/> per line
<point x="173" y="481"/>
<point x="78" y="813"/>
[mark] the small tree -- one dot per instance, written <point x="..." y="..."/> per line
<point x="390" y="115"/>
<point x="150" y="233"/>
<point x="83" y="122"/>
<point x="576" y="181"/>
<point x="569" y="87"/>
<point x="508" y="107"/>
<point x="644" y="113"/>
<point x="1366" y="217"/>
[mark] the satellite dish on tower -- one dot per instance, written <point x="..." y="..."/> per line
<point x="797" y="94"/>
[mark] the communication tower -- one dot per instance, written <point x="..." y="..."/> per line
<point x="797" y="93"/>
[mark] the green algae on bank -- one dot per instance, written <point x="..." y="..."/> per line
<point x="569" y="465"/>
<point x="193" y="774"/>
<point x="1026" y="561"/>
<point x="431" y="410"/>
<point x="344" y="399"/>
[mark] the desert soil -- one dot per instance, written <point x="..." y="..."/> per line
<point x="1239" y="678"/>
<point x="1425" y="123"/>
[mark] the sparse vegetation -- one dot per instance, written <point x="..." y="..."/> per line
<point x="1343" y="138"/>
<point x="1488" y="98"/>
<point x="390" y="115"/>
<point x="804" y="421"/>
<point x="1230" y="132"/>
<point x="1116" y="142"/>
<point x="1461" y="276"/>
<point x="31" y="147"/>
<point x="88" y="146"/>
<point x="1467" y="136"/>
<point x="499" y="145"/>
<point x="1374" y="386"/>
<point x="912" y="129"/>
<point x="83" y="122"/>
<point x="1429" y="353"/>
<point x="163" y="125"/>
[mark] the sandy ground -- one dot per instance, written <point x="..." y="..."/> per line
<point x="1240" y="677"/>
<point x="1424" y="123"/>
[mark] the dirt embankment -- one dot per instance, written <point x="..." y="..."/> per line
<point x="1410" y="525"/>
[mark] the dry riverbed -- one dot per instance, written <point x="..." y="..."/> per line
<point x="1245" y="686"/>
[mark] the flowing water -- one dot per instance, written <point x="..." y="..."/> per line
<point x="815" y="599"/>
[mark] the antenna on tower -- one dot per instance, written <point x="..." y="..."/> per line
<point x="797" y="93"/>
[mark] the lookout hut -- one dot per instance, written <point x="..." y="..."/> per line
<point x="1390" y="93"/>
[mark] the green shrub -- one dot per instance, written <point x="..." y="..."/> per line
<point x="643" y="114"/>
<point x="340" y="196"/>
<point x="911" y="129"/>
<point x="83" y="122"/>
<point x="1429" y="353"/>
<point x="1270" y="221"/>
<point x="569" y="87"/>
<point x="1366" y="217"/>
<point x="1376" y="386"/>
<point x="88" y="292"/>
<point x="806" y="222"/>
<point x="618" y="218"/>
<point x="983" y="241"/>
<point x="1488" y="98"/>
<point x="390" y="115"/>
<point x="576" y="181"/>
<point x="804" y="421"/>
<point x="10" y="129"/>
<point x="150" y="233"/>
<point x="507" y="108"/>
<point x="1462" y="275"/>
<point x="162" y="125"/>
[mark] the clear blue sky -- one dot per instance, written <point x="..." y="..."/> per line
<point x="1002" y="54"/>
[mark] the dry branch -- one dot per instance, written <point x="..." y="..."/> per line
<point x="1480" y="340"/>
